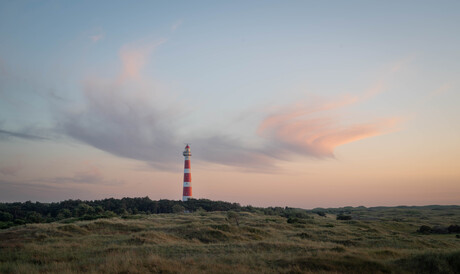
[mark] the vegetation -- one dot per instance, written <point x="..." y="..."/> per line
<point x="13" y="214"/>
<point x="240" y="239"/>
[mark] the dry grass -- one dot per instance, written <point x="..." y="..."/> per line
<point x="379" y="242"/>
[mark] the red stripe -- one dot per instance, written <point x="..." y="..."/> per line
<point x="187" y="164"/>
<point x="187" y="177"/>
<point x="187" y="191"/>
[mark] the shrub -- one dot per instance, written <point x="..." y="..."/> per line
<point x="440" y="230"/>
<point x="34" y="217"/>
<point x="432" y="263"/>
<point x="178" y="208"/>
<point x="232" y="215"/>
<point x="424" y="229"/>
<point x="296" y="220"/>
<point x="304" y="235"/>
<point x="321" y="213"/>
<point x="19" y="221"/>
<point x="4" y="225"/>
<point x="64" y="213"/>
<point x="110" y="214"/>
<point x="84" y="209"/>
<point x="295" y="213"/>
<point x="343" y="217"/>
<point x="5" y="216"/>
<point x="454" y="228"/>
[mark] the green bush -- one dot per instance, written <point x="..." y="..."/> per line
<point x="4" y="225"/>
<point x="454" y="228"/>
<point x="424" y="229"/>
<point x="342" y="217"/>
<point x="34" y="217"/>
<point x="321" y="213"/>
<point x="232" y="215"/>
<point x="178" y="209"/>
<point x="296" y="221"/>
<point x="432" y="263"/>
<point x="5" y="217"/>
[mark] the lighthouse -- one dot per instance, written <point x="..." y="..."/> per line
<point x="187" y="192"/>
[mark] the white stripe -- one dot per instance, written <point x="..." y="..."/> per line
<point x="187" y="184"/>
<point x="187" y="157"/>
<point x="186" y="170"/>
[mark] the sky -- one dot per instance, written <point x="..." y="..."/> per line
<point x="285" y="103"/>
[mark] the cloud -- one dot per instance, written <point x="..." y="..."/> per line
<point x="134" y="58"/>
<point x="399" y="65"/>
<point x="130" y="117"/>
<point x="24" y="190"/>
<point x="6" y="134"/>
<point x="91" y="175"/>
<point x="176" y="25"/>
<point x="442" y="89"/>
<point x="122" y="121"/>
<point x="127" y="115"/>
<point x="95" y="35"/>
<point x="10" y="170"/>
<point x="95" y="38"/>
<point x="227" y="150"/>
<point x="313" y="131"/>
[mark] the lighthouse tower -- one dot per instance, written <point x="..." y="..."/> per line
<point x="187" y="193"/>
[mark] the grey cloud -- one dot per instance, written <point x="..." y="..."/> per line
<point x="6" y="134"/>
<point x="10" y="170"/>
<point x="131" y="125"/>
<point x="14" y="191"/>
<point x="48" y="189"/>
<point x="225" y="150"/>
<point x="81" y="179"/>
<point x="124" y="123"/>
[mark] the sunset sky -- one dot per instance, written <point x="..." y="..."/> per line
<point x="285" y="103"/>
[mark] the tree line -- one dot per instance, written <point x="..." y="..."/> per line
<point x="19" y="213"/>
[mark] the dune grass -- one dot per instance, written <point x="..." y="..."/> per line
<point x="381" y="241"/>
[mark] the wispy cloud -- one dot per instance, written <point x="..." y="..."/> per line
<point x="176" y="25"/>
<point x="134" y="58"/>
<point x="442" y="89"/>
<point x="230" y="151"/>
<point x="95" y="38"/>
<point x="96" y="35"/>
<point x="91" y="175"/>
<point x="47" y="189"/>
<point x="129" y="116"/>
<point x="126" y="115"/>
<point x="311" y="130"/>
<point x="402" y="63"/>
<point x="6" y="134"/>
<point x="11" y="170"/>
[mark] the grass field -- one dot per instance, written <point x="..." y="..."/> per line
<point x="376" y="240"/>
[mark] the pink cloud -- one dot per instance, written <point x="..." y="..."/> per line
<point x="314" y="131"/>
<point x="134" y="58"/>
<point x="90" y="173"/>
<point x="10" y="170"/>
<point x="121" y="116"/>
<point x="95" y="38"/>
<point x="176" y="25"/>
<point x="402" y="63"/>
<point x="442" y="89"/>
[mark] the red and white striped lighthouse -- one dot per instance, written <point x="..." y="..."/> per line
<point x="187" y="193"/>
